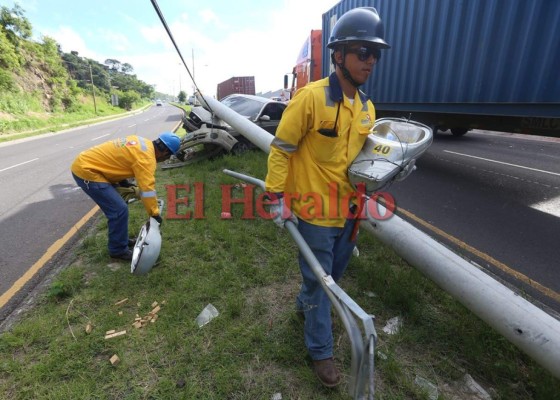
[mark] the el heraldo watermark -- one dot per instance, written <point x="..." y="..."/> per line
<point x="186" y="201"/>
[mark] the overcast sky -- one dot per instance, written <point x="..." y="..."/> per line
<point x="259" y="38"/>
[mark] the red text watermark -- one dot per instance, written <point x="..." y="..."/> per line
<point x="186" y="201"/>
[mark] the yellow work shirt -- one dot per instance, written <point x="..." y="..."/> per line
<point x="122" y="158"/>
<point x="310" y="167"/>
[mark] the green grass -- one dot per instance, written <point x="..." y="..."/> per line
<point x="247" y="269"/>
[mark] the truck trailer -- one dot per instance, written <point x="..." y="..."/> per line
<point x="460" y="65"/>
<point x="236" y="84"/>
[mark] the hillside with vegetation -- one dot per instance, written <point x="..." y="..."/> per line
<point x="41" y="86"/>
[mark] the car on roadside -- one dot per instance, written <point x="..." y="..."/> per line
<point x="208" y="136"/>
<point x="264" y="112"/>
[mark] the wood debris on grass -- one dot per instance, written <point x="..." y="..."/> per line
<point x="112" y="334"/>
<point x="115" y="360"/>
<point x="151" y="317"/>
<point x="118" y="303"/>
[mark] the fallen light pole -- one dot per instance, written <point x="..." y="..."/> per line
<point x="528" y="327"/>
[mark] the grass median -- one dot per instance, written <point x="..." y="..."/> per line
<point x="247" y="269"/>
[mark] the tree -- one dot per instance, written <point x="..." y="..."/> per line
<point x="127" y="99"/>
<point x="14" y="24"/>
<point x="126" y="68"/>
<point x="113" y="64"/>
<point x="182" y="96"/>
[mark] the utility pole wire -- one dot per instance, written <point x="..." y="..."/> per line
<point x="162" y="19"/>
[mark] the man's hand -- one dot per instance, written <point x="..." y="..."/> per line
<point x="278" y="210"/>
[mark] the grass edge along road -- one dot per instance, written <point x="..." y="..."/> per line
<point x="254" y="348"/>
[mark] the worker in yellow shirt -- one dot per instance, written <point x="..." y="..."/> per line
<point x="98" y="169"/>
<point x="321" y="132"/>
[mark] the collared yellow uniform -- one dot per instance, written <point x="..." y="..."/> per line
<point x="310" y="167"/>
<point x="122" y="158"/>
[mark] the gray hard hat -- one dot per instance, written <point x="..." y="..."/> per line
<point x="361" y="24"/>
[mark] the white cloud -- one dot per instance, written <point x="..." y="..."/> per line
<point x="70" y="40"/>
<point x="242" y="51"/>
<point x="116" y="40"/>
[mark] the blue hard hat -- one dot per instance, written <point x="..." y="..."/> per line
<point x="171" y="141"/>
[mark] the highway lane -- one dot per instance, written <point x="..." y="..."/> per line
<point x="39" y="200"/>
<point x="496" y="200"/>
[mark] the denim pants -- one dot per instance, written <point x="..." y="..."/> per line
<point x="114" y="208"/>
<point x="332" y="248"/>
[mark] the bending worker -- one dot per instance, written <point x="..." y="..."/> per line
<point x="321" y="132"/>
<point x="98" y="169"/>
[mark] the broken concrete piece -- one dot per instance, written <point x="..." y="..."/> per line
<point x="465" y="388"/>
<point x="428" y="386"/>
<point x="393" y="325"/>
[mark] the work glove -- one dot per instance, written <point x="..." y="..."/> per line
<point x="158" y="219"/>
<point x="129" y="193"/>
<point x="278" y="210"/>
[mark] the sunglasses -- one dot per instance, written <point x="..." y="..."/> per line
<point x="364" y="53"/>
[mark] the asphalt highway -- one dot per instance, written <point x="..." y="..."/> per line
<point x="495" y="199"/>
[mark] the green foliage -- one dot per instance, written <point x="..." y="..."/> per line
<point x="182" y="96"/>
<point x="7" y="83"/>
<point x="53" y="80"/>
<point x="9" y="59"/>
<point x="128" y="99"/>
<point x="66" y="284"/>
<point x="14" y="24"/>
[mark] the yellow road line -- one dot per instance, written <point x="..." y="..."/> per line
<point x="516" y="274"/>
<point x="51" y="251"/>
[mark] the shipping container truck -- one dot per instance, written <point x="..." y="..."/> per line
<point x="461" y="65"/>
<point x="308" y="66"/>
<point x="236" y="84"/>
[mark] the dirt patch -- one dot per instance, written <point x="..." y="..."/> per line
<point x="6" y="117"/>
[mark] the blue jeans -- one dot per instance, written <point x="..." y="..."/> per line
<point x="114" y="208"/>
<point x="332" y="248"/>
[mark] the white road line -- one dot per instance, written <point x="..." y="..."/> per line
<point x="17" y="165"/>
<point x="501" y="162"/>
<point x="130" y="126"/>
<point x="551" y="206"/>
<point x="99" y="137"/>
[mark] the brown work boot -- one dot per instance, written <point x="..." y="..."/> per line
<point x="326" y="372"/>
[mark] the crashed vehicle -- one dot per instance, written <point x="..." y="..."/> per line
<point x="208" y="136"/>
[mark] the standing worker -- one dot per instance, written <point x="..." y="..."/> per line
<point x="98" y="169"/>
<point x="321" y="132"/>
